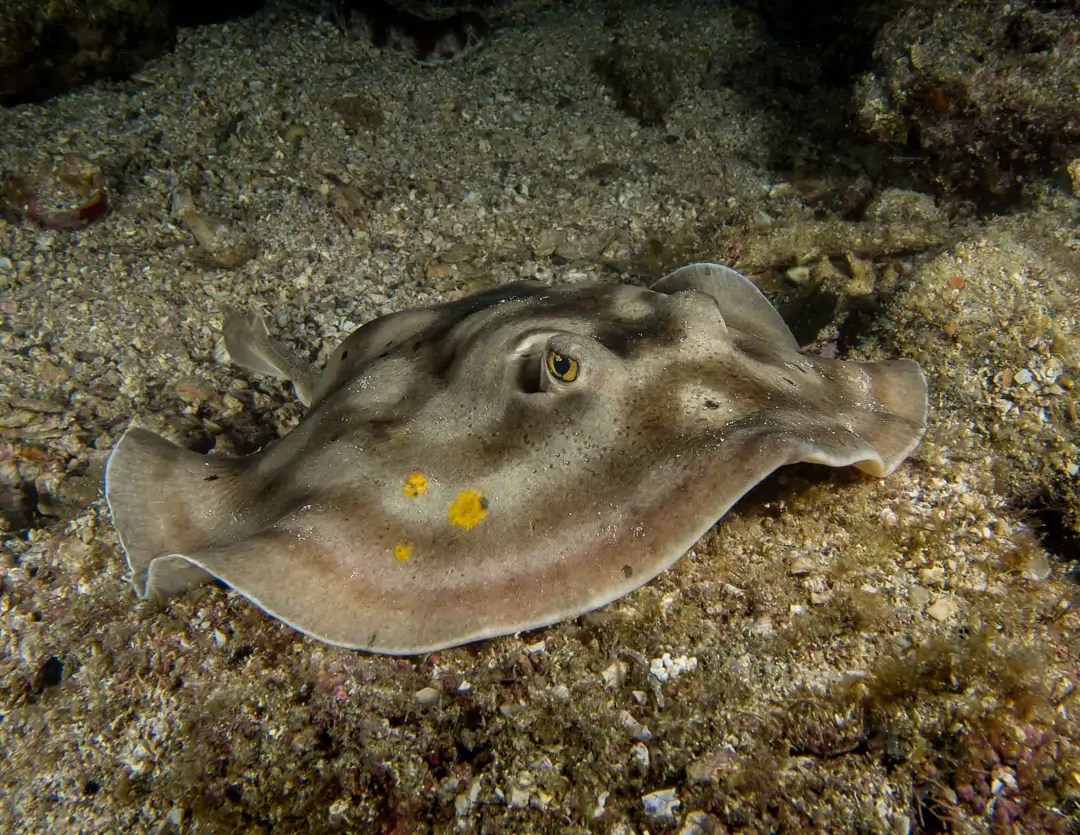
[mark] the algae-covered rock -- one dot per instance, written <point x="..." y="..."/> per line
<point x="983" y="90"/>
<point x="46" y="48"/>
<point x="995" y="323"/>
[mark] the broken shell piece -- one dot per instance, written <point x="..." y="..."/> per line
<point x="223" y="245"/>
<point x="66" y="194"/>
<point x="1038" y="567"/>
<point x="350" y="203"/>
<point x="660" y="805"/>
<point x="942" y="609"/>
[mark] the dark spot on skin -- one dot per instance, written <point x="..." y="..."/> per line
<point x="484" y="503"/>
<point x="628" y="571"/>
<point x="711" y="404"/>
<point x="212" y="478"/>
<point x="90" y="788"/>
<point x="344" y="355"/>
<point x="623" y="338"/>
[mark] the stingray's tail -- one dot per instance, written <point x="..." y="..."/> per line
<point x="166" y="501"/>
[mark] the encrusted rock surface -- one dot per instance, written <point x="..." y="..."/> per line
<point x="980" y="93"/>
<point x="55" y="46"/>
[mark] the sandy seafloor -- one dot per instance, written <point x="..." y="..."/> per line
<point x="839" y="654"/>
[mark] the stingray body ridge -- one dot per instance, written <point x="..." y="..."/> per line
<point x="504" y="461"/>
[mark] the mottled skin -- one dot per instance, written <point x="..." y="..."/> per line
<point x="537" y="499"/>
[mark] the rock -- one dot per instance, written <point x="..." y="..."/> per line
<point x="978" y="88"/>
<point x="707" y="769"/>
<point x="919" y="597"/>
<point x="46" y="48"/>
<point x="1038" y="567"/>
<point x="639" y="757"/>
<point x="699" y="823"/>
<point x="660" y="805"/>
<point x="1074" y="175"/>
<point x="665" y="667"/>
<point x="799" y="274"/>
<point x="427" y="696"/>
<point x="896" y="205"/>
<point x="633" y="727"/>
<point x="615" y="675"/>
<point x="942" y="609"/>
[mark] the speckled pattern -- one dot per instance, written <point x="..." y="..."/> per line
<point x="841" y="654"/>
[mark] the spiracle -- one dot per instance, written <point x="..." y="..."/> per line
<point x="428" y="41"/>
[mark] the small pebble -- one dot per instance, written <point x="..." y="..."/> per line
<point x="427" y="697"/>
<point x="1074" y="175"/>
<point x="697" y="823"/>
<point x="636" y="730"/>
<point x="1038" y="567"/>
<point x="665" y="667"/>
<point x="191" y="391"/>
<point x="942" y="609"/>
<point x="615" y="675"/>
<point x="798" y="275"/>
<point x="519" y="797"/>
<point x="660" y="805"/>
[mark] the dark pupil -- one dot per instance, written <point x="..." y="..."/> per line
<point x="561" y="365"/>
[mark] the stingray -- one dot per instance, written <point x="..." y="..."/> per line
<point x="505" y="461"/>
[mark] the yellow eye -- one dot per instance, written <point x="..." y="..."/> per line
<point x="565" y="368"/>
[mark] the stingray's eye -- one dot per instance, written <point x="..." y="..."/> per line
<point x="565" y="368"/>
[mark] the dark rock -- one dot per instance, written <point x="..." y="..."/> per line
<point x="46" y="48"/>
<point x="49" y="48"/>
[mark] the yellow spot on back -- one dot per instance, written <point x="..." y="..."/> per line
<point x="402" y="551"/>
<point x="415" y="485"/>
<point x="467" y="510"/>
